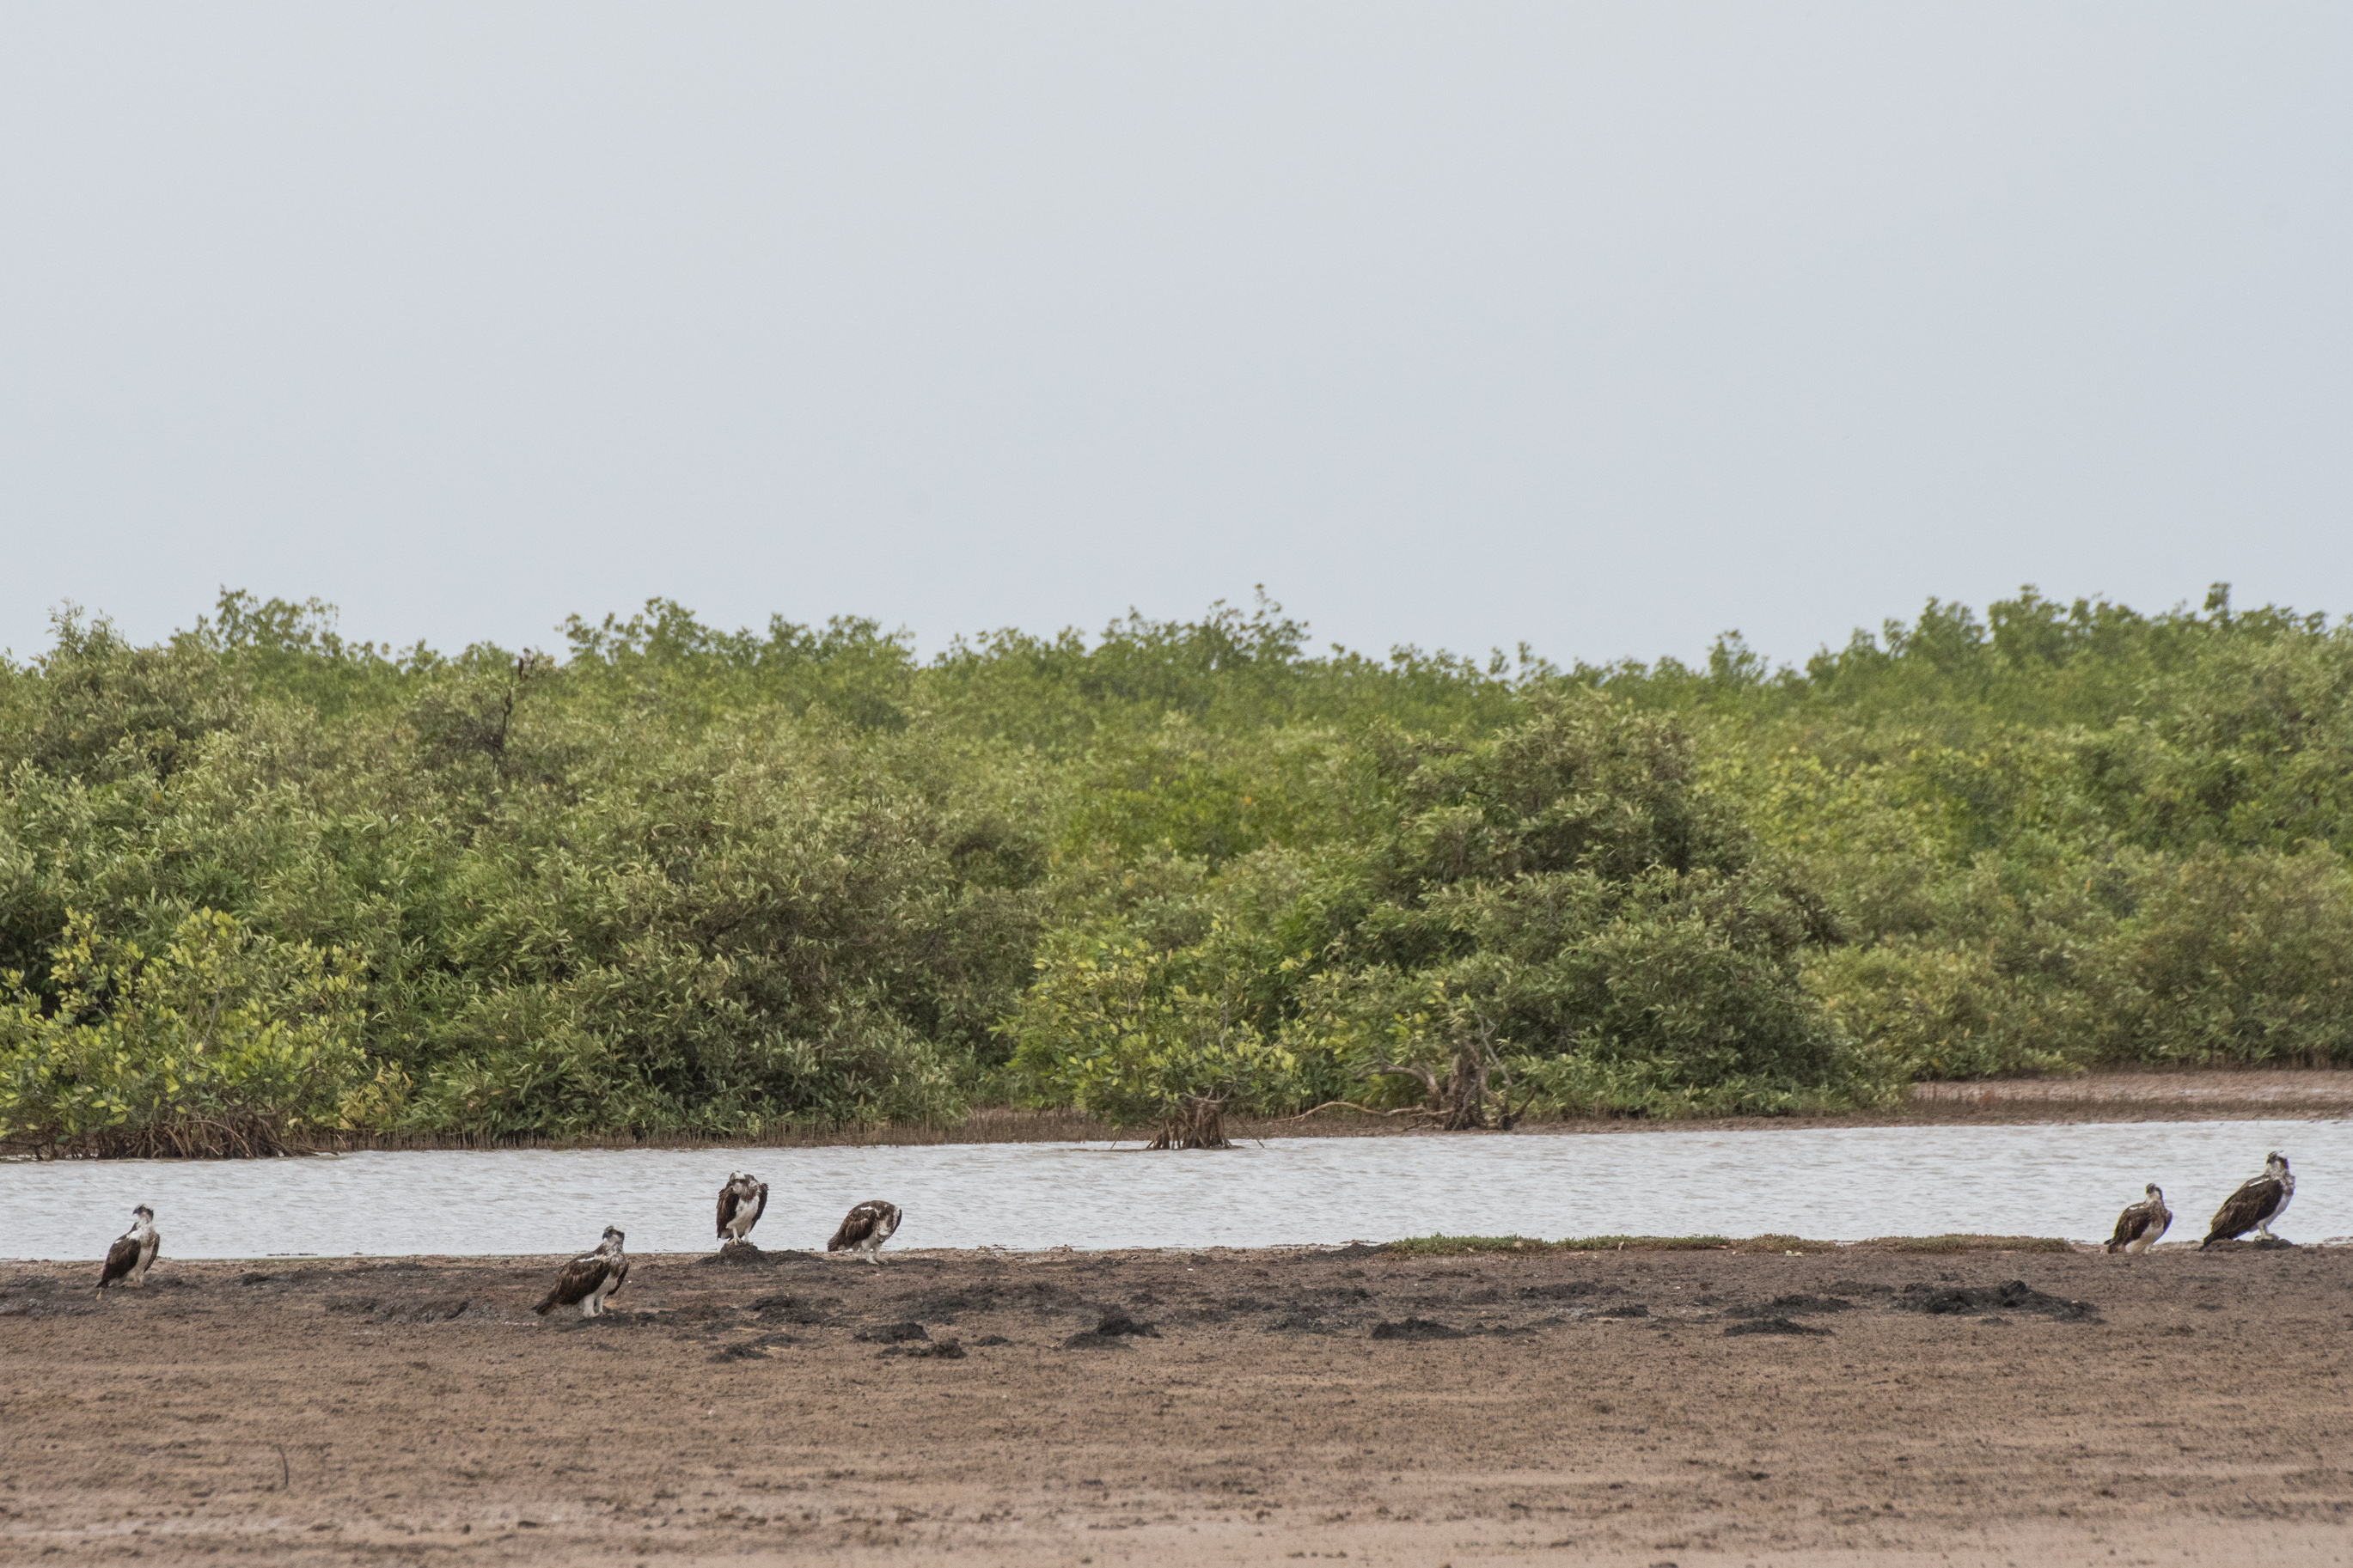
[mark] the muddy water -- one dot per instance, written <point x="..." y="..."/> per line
<point x="1839" y="1184"/>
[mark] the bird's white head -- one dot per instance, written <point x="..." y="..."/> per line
<point x="144" y="1214"/>
<point x="2275" y="1163"/>
<point x="2156" y="1191"/>
<point x="613" y="1235"/>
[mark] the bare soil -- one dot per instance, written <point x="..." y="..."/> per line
<point x="1864" y="1406"/>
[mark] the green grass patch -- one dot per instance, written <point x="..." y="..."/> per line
<point x="1693" y="1244"/>
<point x="1782" y="1244"/>
<point x="1451" y="1246"/>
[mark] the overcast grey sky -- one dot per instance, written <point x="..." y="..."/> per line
<point x="1605" y="328"/>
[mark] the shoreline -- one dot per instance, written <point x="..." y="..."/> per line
<point x="1404" y="1251"/>
<point x="1704" y="1408"/>
<point x="2204" y="1094"/>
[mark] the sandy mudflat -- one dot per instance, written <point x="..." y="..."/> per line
<point x="1594" y="1409"/>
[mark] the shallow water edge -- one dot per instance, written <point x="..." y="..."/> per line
<point x="1833" y="1183"/>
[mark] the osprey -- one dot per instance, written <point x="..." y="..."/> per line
<point x="740" y="1202"/>
<point x="134" y="1251"/>
<point x="865" y="1228"/>
<point x="2256" y="1204"/>
<point x="2139" y="1225"/>
<point x="587" y="1279"/>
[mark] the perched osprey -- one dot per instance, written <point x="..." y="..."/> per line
<point x="134" y="1251"/>
<point x="2256" y="1204"/>
<point x="2138" y="1226"/>
<point x="865" y="1228"/>
<point x="740" y="1202"/>
<point x="587" y="1279"/>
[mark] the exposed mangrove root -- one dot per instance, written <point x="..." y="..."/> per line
<point x="1199" y="1123"/>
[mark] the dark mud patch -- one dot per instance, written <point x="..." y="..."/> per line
<point x="1776" y="1326"/>
<point x="752" y="1350"/>
<point x="746" y="1254"/>
<point x="1035" y="1295"/>
<point x="1973" y="1300"/>
<point x="799" y="1311"/>
<point x="397" y="1310"/>
<point x="892" y="1334"/>
<point x="937" y="1350"/>
<point x="1113" y="1331"/>
<point x="1416" y="1328"/>
<point x="1298" y="1323"/>
<point x="43" y="1296"/>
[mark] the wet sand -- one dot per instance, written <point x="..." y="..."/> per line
<point x="1860" y="1406"/>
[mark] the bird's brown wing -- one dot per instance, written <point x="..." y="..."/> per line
<point x="619" y="1279"/>
<point x="2129" y="1225"/>
<point x="580" y="1276"/>
<point x="726" y="1206"/>
<point x="119" y="1259"/>
<point x="2243" y="1209"/>
<point x="856" y="1226"/>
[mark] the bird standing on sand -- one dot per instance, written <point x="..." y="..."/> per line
<point x="2256" y="1204"/>
<point x="741" y="1203"/>
<point x="133" y="1252"/>
<point x="588" y="1279"/>
<point x="2139" y="1225"/>
<point x="865" y="1228"/>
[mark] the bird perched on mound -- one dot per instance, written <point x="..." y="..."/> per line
<point x="865" y="1228"/>
<point x="587" y="1279"/>
<point x="133" y="1252"/>
<point x="2139" y="1225"/>
<point x="2256" y="1204"/>
<point x="741" y="1203"/>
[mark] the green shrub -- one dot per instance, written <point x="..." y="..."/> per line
<point x="2234" y="958"/>
<point x="219" y="1044"/>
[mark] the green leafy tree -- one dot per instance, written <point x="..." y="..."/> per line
<point x="218" y="1043"/>
<point x="1142" y="1040"/>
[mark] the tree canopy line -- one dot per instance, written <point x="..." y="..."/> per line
<point x="258" y="882"/>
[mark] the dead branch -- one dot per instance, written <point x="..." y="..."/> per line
<point x="1352" y="1105"/>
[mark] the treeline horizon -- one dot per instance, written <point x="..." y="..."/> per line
<point x="258" y="882"/>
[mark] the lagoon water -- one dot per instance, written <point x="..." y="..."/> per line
<point x="1836" y="1184"/>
